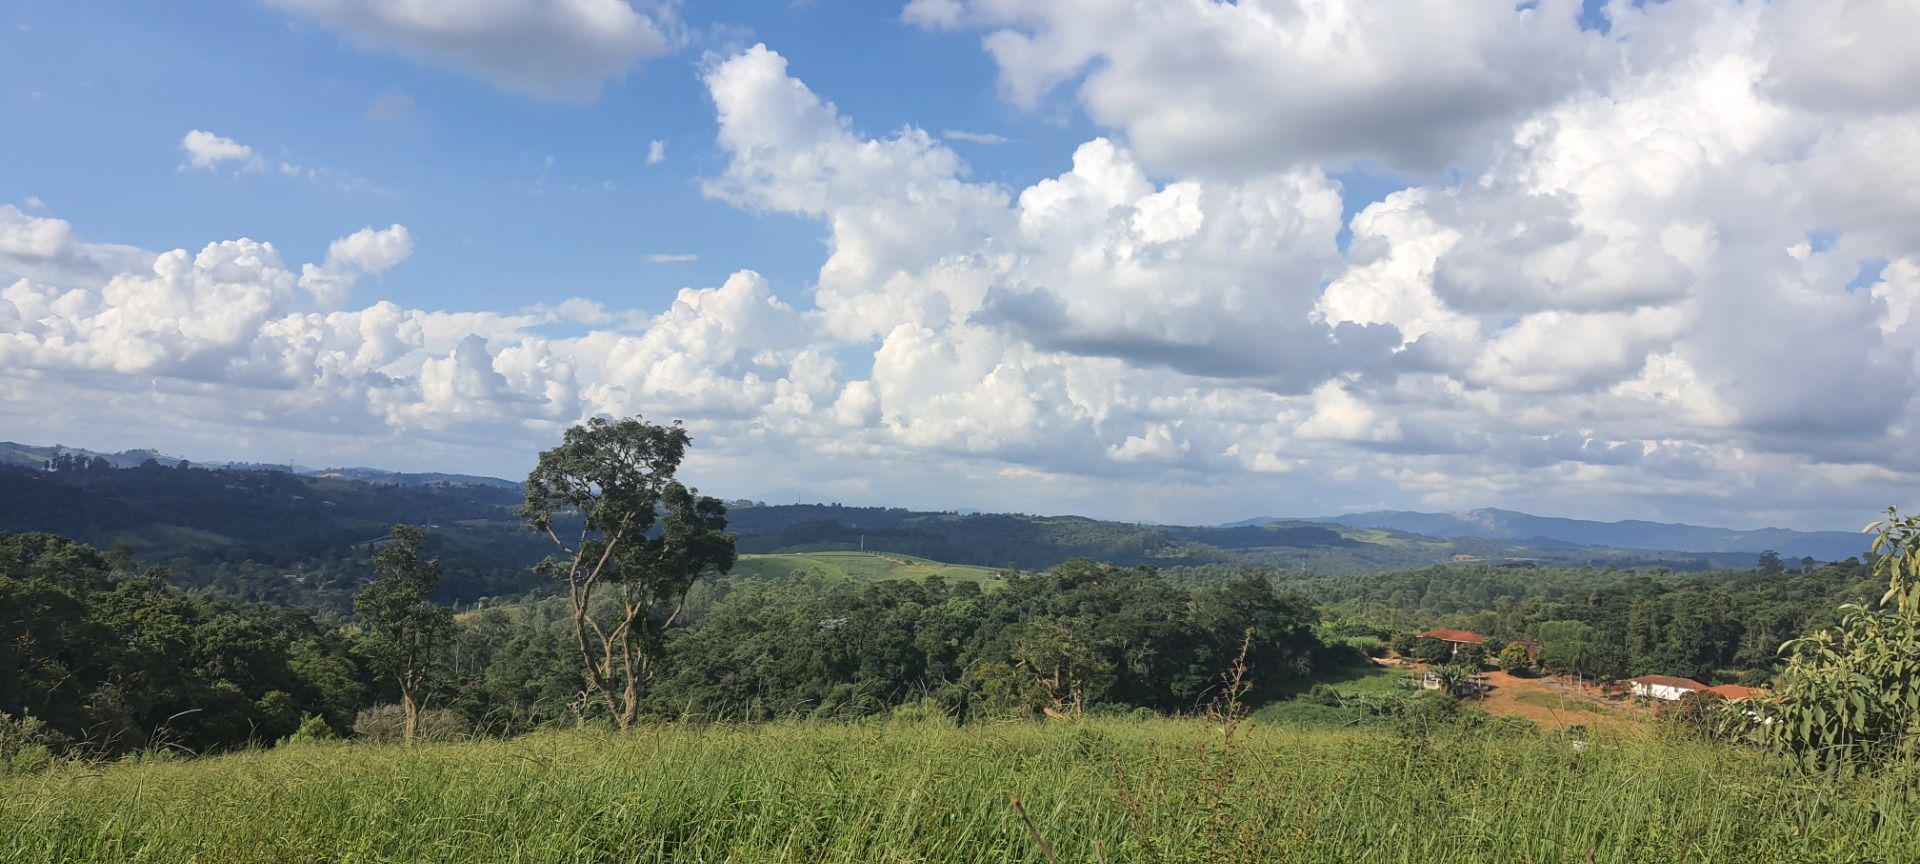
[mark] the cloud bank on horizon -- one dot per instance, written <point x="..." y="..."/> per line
<point x="1667" y="267"/>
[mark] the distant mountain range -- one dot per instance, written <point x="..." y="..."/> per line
<point x="1547" y="531"/>
<point x="403" y="478"/>
<point x="37" y="456"/>
<point x="1485" y="534"/>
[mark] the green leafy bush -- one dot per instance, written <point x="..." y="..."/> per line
<point x="313" y="729"/>
<point x="26" y="745"/>
<point x="1849" y="697"/>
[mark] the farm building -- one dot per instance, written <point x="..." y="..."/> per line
<point x="1736" y="691"/>
<point x="1664" y="687"/>
<point x="1474" y="685"/>
<point x="1455" y="638"/>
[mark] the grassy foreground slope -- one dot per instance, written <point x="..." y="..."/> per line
<point x="856" y="567"/>
<point x="1159" y="790"/>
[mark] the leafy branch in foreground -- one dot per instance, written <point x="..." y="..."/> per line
<point x="1850" y="696"/>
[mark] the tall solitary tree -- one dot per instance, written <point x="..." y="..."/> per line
<point x="405" y="629"/>
<point x="635" y="541"/>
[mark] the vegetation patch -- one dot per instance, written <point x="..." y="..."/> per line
<point x="1550" y="701"/>
<point x="1113" y="790"/>
<point x="859" y="567"/>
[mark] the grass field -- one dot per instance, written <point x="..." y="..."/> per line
<point x="858" y="567"/>
<point x="1558" y="703"/>
<point x="1112" y="791"/>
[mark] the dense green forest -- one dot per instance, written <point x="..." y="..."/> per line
<point x="1714" y="626"/>
<point x="115" y="660"/>
<point x="118" y="658"/>
<point x="96" y="656"/>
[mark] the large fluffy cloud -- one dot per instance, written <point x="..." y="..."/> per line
<point x="1670" y="270"/>
<point x="559" y="49"/>
<point x="1621" y="291"/>
<point x="234" y="331"/>
<point x="1208" y="86"/>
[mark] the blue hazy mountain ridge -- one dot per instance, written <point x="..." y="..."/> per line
<point x="1508" y="525"/>
<point x="37" y="455"/>
<point x="1486" y="524"/>
<point x="411" y="478"/>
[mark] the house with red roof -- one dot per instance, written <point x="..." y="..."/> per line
<point x="1736" y="691"/>
<point x="1455" y="638"/>
<point x="1666" y="688"/>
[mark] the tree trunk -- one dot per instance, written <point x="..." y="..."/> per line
<point x="632" y="707"/>
<point x="410" y="711"/>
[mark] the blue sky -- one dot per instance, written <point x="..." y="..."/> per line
<point x="1184" y="261"/>
<point x="476" y="173"/>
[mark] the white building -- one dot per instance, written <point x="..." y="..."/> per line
<point x="1664" y="687"/>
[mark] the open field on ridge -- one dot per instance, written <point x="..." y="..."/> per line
<point x="858" y="567"/>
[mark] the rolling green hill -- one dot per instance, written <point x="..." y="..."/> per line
<point x="857" y="567"/>
<point x="297" y="540"/>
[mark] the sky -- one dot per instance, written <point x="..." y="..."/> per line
<point x="1169" y="260"/>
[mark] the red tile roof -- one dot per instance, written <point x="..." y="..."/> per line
<point x="1467" y="636"/>
<point x="1669" y="681"/>
<point x="1736" y="691"/>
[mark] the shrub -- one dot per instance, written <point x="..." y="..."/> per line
<point x="927" y="710"/>
<point x="1849" y="699"/>
<point x="26" y="744"/>
<point x="1299" y="712"/>
<point x="313" y="729"/>
<point x="1696" y="712"/>
<point x="385" y="724"/>
<point x="1323" y="694"/>
<point x="1427" y="649"/>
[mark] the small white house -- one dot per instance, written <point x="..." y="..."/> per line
<point x="1666" y="688"/>
<point x="1475" y="685"/>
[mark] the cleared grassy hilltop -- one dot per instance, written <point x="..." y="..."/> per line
<point x="858" y="567"/>
<point x="1098" y="790"/>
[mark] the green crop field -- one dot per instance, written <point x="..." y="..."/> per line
<point x="858" y="567"/>
<point x="1097" y="790"/>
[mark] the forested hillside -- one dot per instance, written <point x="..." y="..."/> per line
<point x="1597" y="623"/>
<point x="110" y="659"/>
<point x="306" y="540"/>
<point x="271" y="536"/>
<point x="1509" y="526"/>
<point x="1003" y="539"/>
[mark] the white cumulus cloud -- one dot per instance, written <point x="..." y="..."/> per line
<point x="207" y="151"/>
<point x="555" y="49"/>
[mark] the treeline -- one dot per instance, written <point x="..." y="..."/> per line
<point x="1079" y="637"/>
<point x="110" y="660"/>
<point x="1718" y="626"/>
